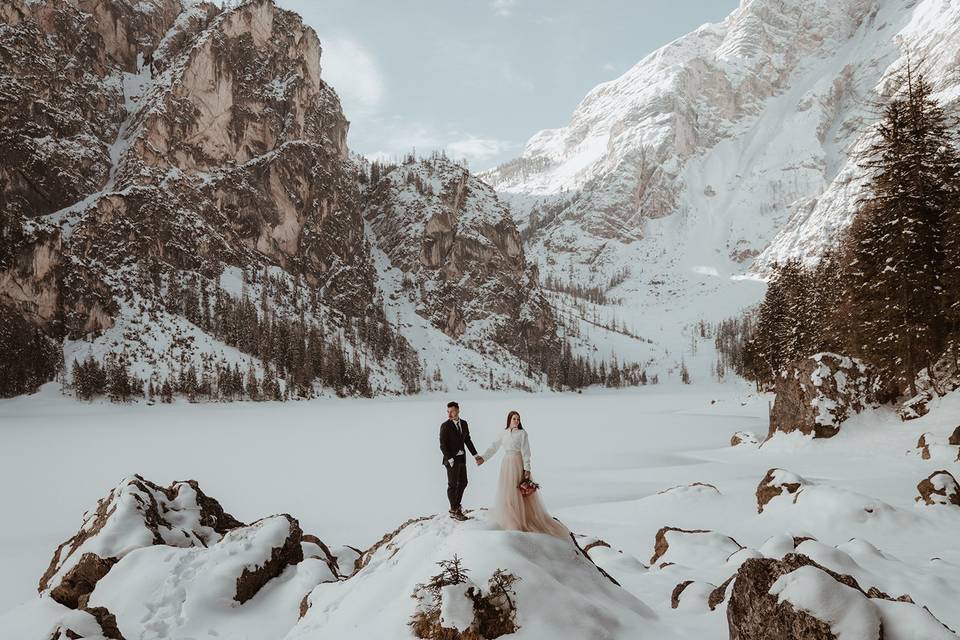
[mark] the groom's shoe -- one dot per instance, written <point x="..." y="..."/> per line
<point x="457" y="514"/>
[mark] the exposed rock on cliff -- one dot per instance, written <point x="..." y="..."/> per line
<point x="462" y="257"/>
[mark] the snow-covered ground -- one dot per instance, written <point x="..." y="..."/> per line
<point x="352" y="470"/>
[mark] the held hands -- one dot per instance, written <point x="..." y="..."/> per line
<point x="478" y="459"/>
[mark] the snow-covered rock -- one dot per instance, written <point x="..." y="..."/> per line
<point x="798" y="598"/>
<point x="559" y="593"/>
<point x="939" y="488"/>
<point x="815" y="395"/>
<point x="248" y="584"/>
<point x="775" y="483"/>
<point x="744" y="438"/>
<point x="692" y="547"/>
<point x="137" y="513"/>
<point x="152" y="562"/>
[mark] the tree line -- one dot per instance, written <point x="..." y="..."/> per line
<point x="295" y="350"/>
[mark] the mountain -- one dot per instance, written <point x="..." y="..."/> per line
<point x="452" y="257"/>
<point x="181" y="210"/>
<point x="730" y="149"/>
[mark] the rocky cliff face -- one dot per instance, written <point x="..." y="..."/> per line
<point x="462" y="257"/>
<point x="189" y="160"/>
<point x="61" y="94"/>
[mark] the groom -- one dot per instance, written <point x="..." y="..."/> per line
<point x="454" y="435"/>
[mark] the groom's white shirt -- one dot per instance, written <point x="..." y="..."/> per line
<point x="461" y="452"/>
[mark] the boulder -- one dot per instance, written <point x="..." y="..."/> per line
<point x="954" y="437"/>
<point x="777" y="482"/>
<point x="767" y="603"/>
<point x="940" y="487"/>
<point x="795" y="598"/>
<point x="815" y="395"/>
<point x="283" y="552"/>
<point x="558" y="591"/>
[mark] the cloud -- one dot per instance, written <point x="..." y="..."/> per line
<point x="389" y="139"/>
<point x="504" y="8"/>
<point x="352" y="71"/>
<point x="477" y="150"/>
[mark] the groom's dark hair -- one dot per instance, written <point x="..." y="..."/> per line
<point x="452" y="404"/>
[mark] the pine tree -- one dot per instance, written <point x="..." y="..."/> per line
<point x="896" y="246"/>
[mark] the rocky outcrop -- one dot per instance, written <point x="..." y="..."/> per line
<point x="796" y="598"/>
<point x="151" y="557"/>
<point x="939" y="488"/>
<point x="815" y="395"/>
<point x="77" y="583"/>
<point x="777" y="482"/>
<point x="136" y="513"/>
<point x="107" y="622"/>
<point x="756" y="613"/>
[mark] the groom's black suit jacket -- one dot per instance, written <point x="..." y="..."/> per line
<point x="452" y="441"/>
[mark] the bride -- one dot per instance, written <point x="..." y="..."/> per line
<point x="512" y="510"/>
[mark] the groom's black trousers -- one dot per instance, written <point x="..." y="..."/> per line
<point x="456" y="481"/>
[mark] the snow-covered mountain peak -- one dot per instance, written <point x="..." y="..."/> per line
<point x="725" y="151"/>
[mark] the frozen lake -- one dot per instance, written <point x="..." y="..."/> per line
<point x="351" y="470"/>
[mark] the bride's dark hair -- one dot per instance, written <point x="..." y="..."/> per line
<point x="510" y="417"/>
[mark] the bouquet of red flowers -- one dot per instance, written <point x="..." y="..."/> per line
<point x="527" y="487"/>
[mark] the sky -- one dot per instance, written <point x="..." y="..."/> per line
<point x="477" y="78"/>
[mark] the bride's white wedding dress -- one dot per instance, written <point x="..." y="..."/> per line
<point x="511" y="509"/>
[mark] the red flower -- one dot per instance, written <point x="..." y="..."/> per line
<point x="528" y="487"/>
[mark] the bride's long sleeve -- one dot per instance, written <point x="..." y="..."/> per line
<point x="525" y="450"/>
<point x="492" y="449"/>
